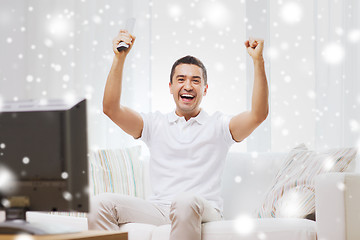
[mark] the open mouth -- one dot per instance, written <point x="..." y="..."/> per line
<point x="187" y="97"/>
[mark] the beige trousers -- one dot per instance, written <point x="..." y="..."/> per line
<point x="186" y="213"/>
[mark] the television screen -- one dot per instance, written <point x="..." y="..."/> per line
<point x="43" y="156"/>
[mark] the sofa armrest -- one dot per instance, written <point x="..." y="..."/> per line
<point x="337" y="201"/>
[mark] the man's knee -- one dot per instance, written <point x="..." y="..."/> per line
<point x="186" y="205"/>
<point x="101" y="214"/>
<point x="101" y="201"/>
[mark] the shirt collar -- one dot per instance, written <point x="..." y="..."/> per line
<point x="200" y="118"/>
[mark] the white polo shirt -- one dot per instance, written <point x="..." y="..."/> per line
<point x="186" y="156"/>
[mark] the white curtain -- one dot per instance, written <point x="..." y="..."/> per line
<point x="337" y="62"/>
<point x="63" y="49"/>
<point x="312" y="55"/>
<point x="53" y="49"/>
<point x="311" y="59"/>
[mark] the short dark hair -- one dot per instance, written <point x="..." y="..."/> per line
<point x="189" y="60"/>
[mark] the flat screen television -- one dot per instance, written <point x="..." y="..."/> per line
<point x="44" y="153"/>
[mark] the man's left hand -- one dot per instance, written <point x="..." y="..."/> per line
<point x="255" y="48"/>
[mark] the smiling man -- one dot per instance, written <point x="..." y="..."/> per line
<point x="188" y="84"/>
<point x="187" y="147"/>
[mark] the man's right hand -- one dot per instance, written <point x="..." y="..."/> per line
<point x="127" y="119"/>
<point x="123" y="36"/>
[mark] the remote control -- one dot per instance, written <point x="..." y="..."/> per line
<point x="130" y="23"/>
<point x="122" y="46"/>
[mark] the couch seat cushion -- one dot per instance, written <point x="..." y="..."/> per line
<point x="138" y="231"/>
<point x="265" y="228"/>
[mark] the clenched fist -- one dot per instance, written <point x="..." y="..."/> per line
<point x="255" y="48"/>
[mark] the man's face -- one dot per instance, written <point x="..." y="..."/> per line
<point x="188" y="88"/>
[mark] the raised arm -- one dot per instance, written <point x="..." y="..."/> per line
<point x="127" y="119"/>
<point x="243" y="124"/>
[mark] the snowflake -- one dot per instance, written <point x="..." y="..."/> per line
<point x="219" y="67"/>
<point x="48" y="42"/>
<point x="284" y="46"/>
<point x="237" y="179"/>
<point x="70" y="98"/>
<point x="56" y="67"/>
<point x="333" y="53"/>
<point x="339" y="31"/>
<point x="96" y="19"/>
<point x="285" y="132"/>
<point x="287" y="79"/>
<point x="7" y="179"/>
<point x="354" y="125"/>
<point x="291" y="13"/>
<point x="67" y="196"/>
<point x="26" y="160"/>
<point x="354" y="35"/>
<point x="24" y="236"/>
<point x="278" y="121"/>
<point x="66" y="78"/>
<point x="261" y="236"/>
<point x="329" y="163"/>
<point x="64" y="175"/>
<point x="59" y="26"/>
<point x="217" y="14"/>
<point x="340" y="186"/>
<point x="174" y="11"/>
<point x="311" y="94"/>
<point x="29" y="78"/>
<point x="272" y="52"/>
<point x="244" y="225"/>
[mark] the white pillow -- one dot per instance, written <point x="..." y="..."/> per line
<point x="117" y="171"/>
<point x="293" y="191"/>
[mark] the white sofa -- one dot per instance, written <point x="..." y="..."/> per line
<point x="246" y="179"/>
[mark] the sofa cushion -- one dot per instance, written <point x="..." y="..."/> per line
<point x="293" y="191"/>
<point x="138" y="231"/>
<point x="269" y="229"/>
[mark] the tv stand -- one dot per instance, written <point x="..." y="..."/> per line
<point x="16" y="223"/>
<point x="86" y="235"/>
<point x="21" y="226"/>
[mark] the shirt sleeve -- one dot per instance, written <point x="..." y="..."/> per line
<point x="225" y="128"/>
<point x="145" y="134"/>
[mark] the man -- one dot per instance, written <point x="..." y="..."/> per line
<point x="188" y="147"/>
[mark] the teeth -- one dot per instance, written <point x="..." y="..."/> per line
<point x="187" y="95"/>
